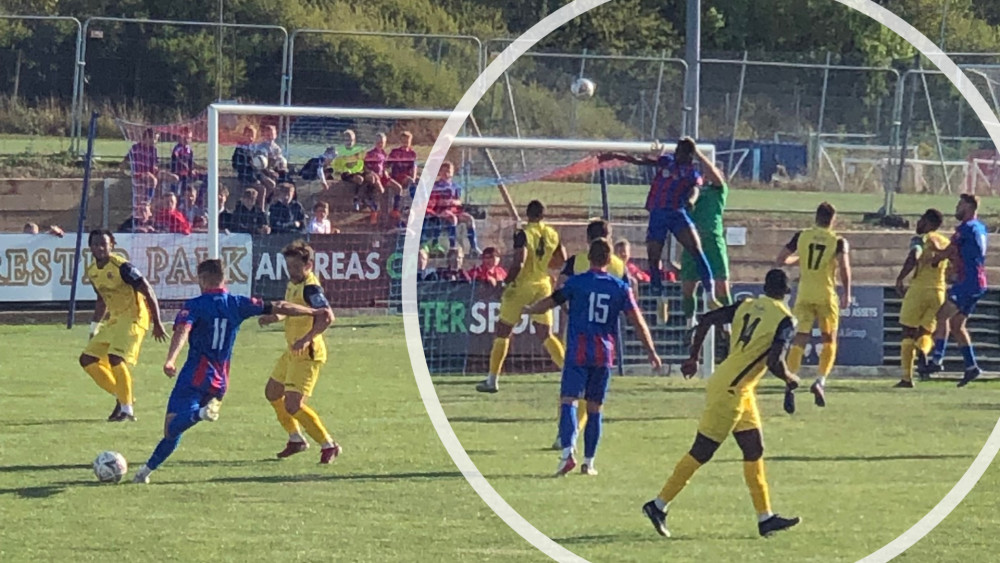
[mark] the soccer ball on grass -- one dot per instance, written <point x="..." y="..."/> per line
<point x="583" y="88"/>
<point x="110" y="467"/>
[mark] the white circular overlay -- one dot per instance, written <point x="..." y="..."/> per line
<point x="411" y="321"/>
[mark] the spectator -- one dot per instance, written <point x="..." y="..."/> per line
<point x="32" y="229"/>
<point x="445" y="204"/>
<point x="141" y="220"/>
<point x="320" y="224"/>
<point x="182" y="160"/>
<point x="226" y="222"/>
<point x="276" y="166"/>
<point x="166" y="217"/>
<point x="402" y="163"/>
<point x="375" y="178"/>
<point x="196" y="216"/>
<point x="454" y="271"/>
<point x="243" y="157"/>
<point x="489" y="269"/>
<point x="319" y="168"/>
<point x="425" y="273"/>
<point x="349" y="164"/>
<point x="144" y="164"/>
<point x="623" y="249"/>
<point x="286" y="216"/>
<point x="247" y="218"/>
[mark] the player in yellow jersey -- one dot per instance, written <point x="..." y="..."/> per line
<point x="296" y="372"/>
<point x="536" y="249"/>
<point x="762" y="328"/>
<point x="821" y="253"/>
<point x="127" y="300"/>
<point x="926" y="294"/>
<point x="578" y="264"/>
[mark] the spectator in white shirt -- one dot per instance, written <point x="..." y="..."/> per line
<point x="320" y="225"/>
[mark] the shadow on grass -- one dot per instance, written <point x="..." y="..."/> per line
<point x="50" y="422"/>
<point x="46" y="491"/>
<point x="43" y="467"/>
<point x="317" y="477"/>
<point x="498" y="420"/>
<point x="646" y="537"/>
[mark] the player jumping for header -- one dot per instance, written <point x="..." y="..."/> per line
<point x="596" y="299"/>
<point x="821" y="251"/>
<point x="967" y="251"/>
<point x="925" y="296"/>
<point x="128" y="300"/>
<point x="209" y="323"/>
<point x="762" y="328"/>
<point x="674" y="189"/>
<point x="528" y="281"/>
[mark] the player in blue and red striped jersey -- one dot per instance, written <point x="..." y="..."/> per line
<point x="596" y="299"/>
<point x="209" y="323"/>
<point x="967" y="252"/>
<point x="673" y="191"/>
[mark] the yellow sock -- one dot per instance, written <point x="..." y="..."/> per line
<point x="581" y="416"/>
<point x="826" y="358"/>
<point x="285" y="419"/>
<point x="794" y="358"/>
<point x="498" y="354"/>
<point x="123" y="383"/>
<point x="753" y="472"/>
<point x="925" y="343"/>
<point x="555" y="349"/>
<point x="312" y="424"/>
<point x="679" y="479"/>
<point x="907" y="353"/>
<point x="100" y="372"/>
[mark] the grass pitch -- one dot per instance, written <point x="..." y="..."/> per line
<point x="859" y="472"/>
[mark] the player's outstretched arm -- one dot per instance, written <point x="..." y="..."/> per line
<point x="144" y="287"/>
<point x="180" y="338"/>
<point x="714" y="318"/>
<point x="285" y="309"/>
<point x="787" y="256"/>
<point x="639" y="323"/>
<point x="949" y="253"/>
<point x="844" y="259"/>
<point x="713" y="176"/>
<point x="645" y="161"/>
<point x="776" y="355"/>
<point x="100" y="309"/>
<point x="520" y="256"/>
<point x="541" y="306"/>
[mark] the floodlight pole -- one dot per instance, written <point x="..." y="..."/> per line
<point x="692" y="56"/>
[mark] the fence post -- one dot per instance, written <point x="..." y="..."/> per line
<point x="736" y="115"/>
<point x="80" y="226"/>
<point x="656" y="99"/>
<point x="822" y="99"/>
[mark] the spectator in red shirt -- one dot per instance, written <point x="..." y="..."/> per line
<point x="623" y="249"/>
<point x="454" y="271"/>
<point x="489" y="269"/>
<point x="141" y="221"/>
<point x="195" y="214"/>
<point x="402" y="163"/>
<point x="182" y="160"/>
<point x="167" y="219"/>
<point x="144" y="164"/>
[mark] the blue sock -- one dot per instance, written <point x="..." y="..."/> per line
<point x="592" y="434"/>
<point x="395" y="201"/>
<point x="655" y="275"/>
<point x="705" y="273"/>
<point x="435" y="232"/>
<point x="567" y="425"/>
<point x="413" y="191"/>
<point x="452" y="235"/>
<point x="937" y="356"/>
<point x="472" y="237"/>
<point x="969" y="355"/>
<point x="180" y="423"/>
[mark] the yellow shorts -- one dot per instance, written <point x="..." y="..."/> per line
<point x="920" y="307"/>
<point x="297" y="373"/>
<point x="515" y="298"/>
<point x="826" y="315"/>
<point x="726" y="413"/>
<point x="117" y="338"/>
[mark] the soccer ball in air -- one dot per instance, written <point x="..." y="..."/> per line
<point x="259" y="162"/>
<point x="110" y="467"/>
<point x="583" y="88"/>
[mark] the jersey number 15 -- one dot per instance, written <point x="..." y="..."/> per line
<point x="599" y="308"/>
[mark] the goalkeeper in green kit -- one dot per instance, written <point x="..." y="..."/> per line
<point x="707" y="218"/>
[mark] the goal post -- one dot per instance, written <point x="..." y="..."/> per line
<point x="494" y="174"/>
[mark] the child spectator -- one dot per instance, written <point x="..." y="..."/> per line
<point x="226" y="222"/>
<point x="425" y="273"/>
<point x="247" y="218"/>
<point x="243" y="157"/>
<point x="402" y="163"/>
<point x="286" y="216"/>
<point x="141" y="221"/>
<point x="320" y="224"/>
<point x="194" y="213"/>
<point x="182" y="160"/>
<point x="319" y="168"/>
<point x="166" y="217"/>
<point x="349" y="164"/>
<point x="445" y="204"/>
<point x="144" y="164"/>
<point x="374" y="176"/>
<point x="454" y="271"/>
<point x="489" y="270"/>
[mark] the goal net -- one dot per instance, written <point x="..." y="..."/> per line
<point x="361" y="265"/>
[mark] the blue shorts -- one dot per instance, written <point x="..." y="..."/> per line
<point x="664" y="221"/>
<point x="587" y="382"/>
<point x="185" y="398"/>
<point x="965" y="299"/>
